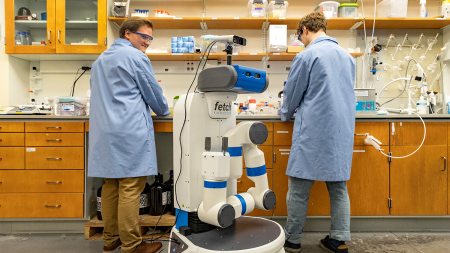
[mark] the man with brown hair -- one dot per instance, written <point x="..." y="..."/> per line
<point x="124" y="92"/>
<point x="319" y="92"/>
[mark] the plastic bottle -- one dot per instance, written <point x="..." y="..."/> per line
<point x="421" y="106"/>
<point x="99" y="203"/>
<point x="423" y="9"/>
<point x="252" y="105"/>
<point x="27" y="38"/>
<point x="144" y="205"/>
<point x="156" y="191"/>
<point x="168" y="195"/>
<point x="17" y="39"/>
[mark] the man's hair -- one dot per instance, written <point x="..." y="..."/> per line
<point x="133" y="24"/>
<point x="314" y="22"/>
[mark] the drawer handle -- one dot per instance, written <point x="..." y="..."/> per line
<point x="359" y="151"/>
<point x="54" y="127"/>
<point x="282" y="132"/>
<point x="54" y="140"/>
<point x="54" y="158"/>
<point x="54" y="182"/>
<point x="53" y="206"/>
<point x="285" y="153"/>
<point x="445" y="163"/>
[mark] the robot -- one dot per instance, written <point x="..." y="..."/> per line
<point x="208" y="151"/>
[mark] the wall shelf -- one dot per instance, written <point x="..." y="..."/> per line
<point x="222" y="56"/>
<point x="235" y="23"/>
<point x="257" y="23"/>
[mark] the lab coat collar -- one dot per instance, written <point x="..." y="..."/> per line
<point x="121" y="41"/>
<point x="324" y="38"/>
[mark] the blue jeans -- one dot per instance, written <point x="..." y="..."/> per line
<point x="297" y="204"/>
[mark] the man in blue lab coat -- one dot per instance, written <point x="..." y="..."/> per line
<point x="124" y="92"/>
<point x="319" y="92"/>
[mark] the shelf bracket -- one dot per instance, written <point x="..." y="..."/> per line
<point x="265" y="25"/>
<point x="204" y="27"/>
<point x="356" y="25"/>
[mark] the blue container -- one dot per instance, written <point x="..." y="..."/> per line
<point x="44" y="15"/>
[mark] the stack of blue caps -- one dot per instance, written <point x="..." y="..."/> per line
<point x="183" y="44"/>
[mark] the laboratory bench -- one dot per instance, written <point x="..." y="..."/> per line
<point x="43" y="164"/>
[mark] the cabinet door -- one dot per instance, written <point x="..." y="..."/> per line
<point x="368" y="187"/>
<point x="30" y="26"/>
<point x="419" y="182"/>
<point x="81" y="26"/>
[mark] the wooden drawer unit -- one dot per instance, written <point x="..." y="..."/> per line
<point x="54" y="127"/>
<point x="11" y="127"/>
<point x="282" y="133"/>
<point x="41" y="205"/>
<point x="22" y="181"/>
<point x="11" y="139"/>
<point x="54" y="139"/>
<point x="54" y="158"/>
<point x="12" y="158"/>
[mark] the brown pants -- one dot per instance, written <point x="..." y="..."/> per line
<point x="120" y="211"/>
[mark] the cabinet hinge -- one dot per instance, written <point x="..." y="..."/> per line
<point x="389" y="203"/>
<point x="389" y="157"/>
<point x="274" y="157"/>
<point x="106" y="41"/>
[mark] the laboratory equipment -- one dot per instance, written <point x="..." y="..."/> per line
<point x="445" y="9"/>
<point x="423" y="8"/>
<point x="365" y="99"/>
<point x="277" y="38"/>
<point x="120" y="8"/>
<point x="70" y="106"/>
<point x="208" y="152"/>
<point x="257" y="8"/>
<point x="392" y="8"/>
<point x="329" y="9"/>
<point x="278" y="8"/>
<point x="348" y="10"/>
<point x="431" y="44"/>
<point x="24" y="109"/>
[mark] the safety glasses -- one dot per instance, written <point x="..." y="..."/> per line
<point x="146" y="37"/>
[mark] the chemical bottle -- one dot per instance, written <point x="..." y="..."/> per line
<point x="168" y="195"/>
<point x="156" y="191"/>
<point x="421" y="106"/>
<point x="144" y="205"/>
<point x="99" y="203"/>
<point x="423" y="8"/>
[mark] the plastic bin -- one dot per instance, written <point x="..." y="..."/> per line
<point x="392" y="8"/>
<point x="278" y="9"/>
<point x="329" y="8"/>
<point x="348" y="10"/>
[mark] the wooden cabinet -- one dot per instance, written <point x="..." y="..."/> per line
<point x="42" y="170"/>
<point x="60" y="26"/>
<point x="419" y="183"/>
<point x="280" y="180"/>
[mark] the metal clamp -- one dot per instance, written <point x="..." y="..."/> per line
<point x="53" y="206"/>
<point x="54" y="140"/>
<point x="54" y="182"/>
<point x="54" y="127"/>
<point x="54" y="158"/>
<point x="445" y="163"/>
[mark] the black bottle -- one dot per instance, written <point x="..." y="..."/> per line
<point x="156" y="191"/>
<point x="99" y="203"/>
<point x="144" y="205"/>
<point x="168" y="195"/>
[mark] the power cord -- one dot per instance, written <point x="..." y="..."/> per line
<point x="84" y="68"/>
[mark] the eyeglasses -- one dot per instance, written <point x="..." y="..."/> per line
<point x="146" y="37"/>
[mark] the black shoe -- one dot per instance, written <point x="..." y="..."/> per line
<point x="292" y="247"/>
<point x="333" y="245"/>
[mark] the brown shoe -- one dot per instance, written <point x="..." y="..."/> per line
<point x="148" y="247"/>
<point x="113" y="247"/>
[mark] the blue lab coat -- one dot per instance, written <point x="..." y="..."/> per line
<point x="123" y="93"/>
<point x="319" y="91"/>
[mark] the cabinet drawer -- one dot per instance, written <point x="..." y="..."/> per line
<point x="12" y="139"/>
<point x="282" y="133"/>
<point x="11" y="127"/>
<point x="41" y="205"/>
<point x="269" y="140"/>
<point x="54" y="139"/>
<point x="42" y="158"/>
<point x="17" y="181"/>
<point x="54" y="127"/>
<point x="12" y="158"/>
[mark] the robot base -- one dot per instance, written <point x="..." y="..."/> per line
<point x="248" y="234"/>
